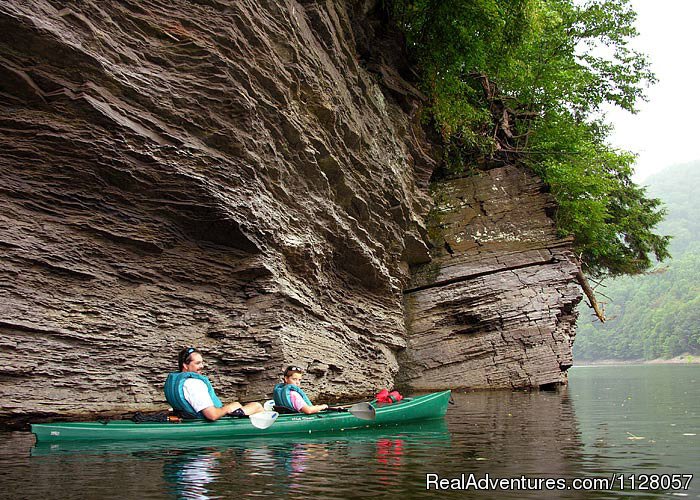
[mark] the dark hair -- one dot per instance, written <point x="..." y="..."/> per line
<point x="292" y="369"/>
<point x="183" y="357"/>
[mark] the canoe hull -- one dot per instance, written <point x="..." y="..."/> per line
<point x="425" y="407"/>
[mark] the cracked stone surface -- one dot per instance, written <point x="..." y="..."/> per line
<point x="250" y="178"/>
<point x="226" y="175"/>
<point x="495" y="307"/>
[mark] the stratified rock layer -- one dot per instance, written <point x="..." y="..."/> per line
<point x="250" y="178"/>
<point x="219" y="174"/>
<point x="495" y="308"/>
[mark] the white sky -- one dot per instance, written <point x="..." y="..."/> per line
<point x="666" y="130"/>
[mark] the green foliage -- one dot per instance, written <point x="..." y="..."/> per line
<point x="547" y="66"/>
<point x="609" y="215"/>
<point x="452" y="40"/>
<point x="658" y="314"/>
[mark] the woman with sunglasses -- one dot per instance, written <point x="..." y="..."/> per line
<point x="191" y="394"/>
<point x="290" y="398"/>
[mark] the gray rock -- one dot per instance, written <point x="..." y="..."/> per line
<point x="495" y="307"/>
<point x="250" y="178"/>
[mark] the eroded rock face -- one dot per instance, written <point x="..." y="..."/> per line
<point x="220" y="174"/>
<point x="250" y="178"/>
<point x="495" y="307"/>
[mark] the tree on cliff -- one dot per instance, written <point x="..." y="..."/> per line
<point x="658" y="314"/>
<point x="524" y="81"/>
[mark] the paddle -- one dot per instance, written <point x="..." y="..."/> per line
<point x="264" y="419"/>
<point x="363" y="411"/>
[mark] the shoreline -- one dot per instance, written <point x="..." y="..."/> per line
<point x="685" y="359"/>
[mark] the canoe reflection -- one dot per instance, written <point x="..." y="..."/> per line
<point x="290" y="466"/>
<point x="203" y="470"/>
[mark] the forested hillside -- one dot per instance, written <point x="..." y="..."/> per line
<point x="657" y="314"/>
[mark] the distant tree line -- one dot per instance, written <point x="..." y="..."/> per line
<point x="656" y="315"/>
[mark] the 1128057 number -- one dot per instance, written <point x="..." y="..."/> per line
<point x="654" y="481"/>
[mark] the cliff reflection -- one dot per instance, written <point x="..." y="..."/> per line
<point x="520" y="432"/>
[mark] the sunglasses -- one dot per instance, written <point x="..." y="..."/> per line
<point x="187" y="353"/>
<point x="292" y="369"/>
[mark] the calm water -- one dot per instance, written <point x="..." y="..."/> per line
<point x="610" y="421"/>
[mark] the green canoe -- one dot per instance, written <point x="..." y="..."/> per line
<point x="424" y="407"/>
<point x="418" y="433"/>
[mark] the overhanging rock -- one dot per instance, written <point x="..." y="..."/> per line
<point x="228" y="175"/>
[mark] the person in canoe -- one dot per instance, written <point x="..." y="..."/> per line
<point x="191" y="394"/>
<point x="290" y="398"/>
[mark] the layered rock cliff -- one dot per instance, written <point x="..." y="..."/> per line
<point x="220" y="174"/>
<point x="251" y="178"/>
<point x="495" y="308"/>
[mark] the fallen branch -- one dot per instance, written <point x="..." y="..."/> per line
<point x="599" y="312"/>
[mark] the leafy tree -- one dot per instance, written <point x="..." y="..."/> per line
<point x="656" y="314"/>
<point x="524" y="80"/>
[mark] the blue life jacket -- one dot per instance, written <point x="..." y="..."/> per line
<point x="281" y="395"/>
<point x="175" y="393"/>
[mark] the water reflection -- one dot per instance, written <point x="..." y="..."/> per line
<point x="514" y="434"/>
<point x="523" y="432"/>
<point x="574" y="433"/>
<point x="333" y="465"/>
<point x="188" y="475"/>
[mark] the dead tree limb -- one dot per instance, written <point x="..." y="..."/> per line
<point x="599" y="312"/>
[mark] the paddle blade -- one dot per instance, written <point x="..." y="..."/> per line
<point x="264" y="419"/>
<point x="363" y="411"/>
